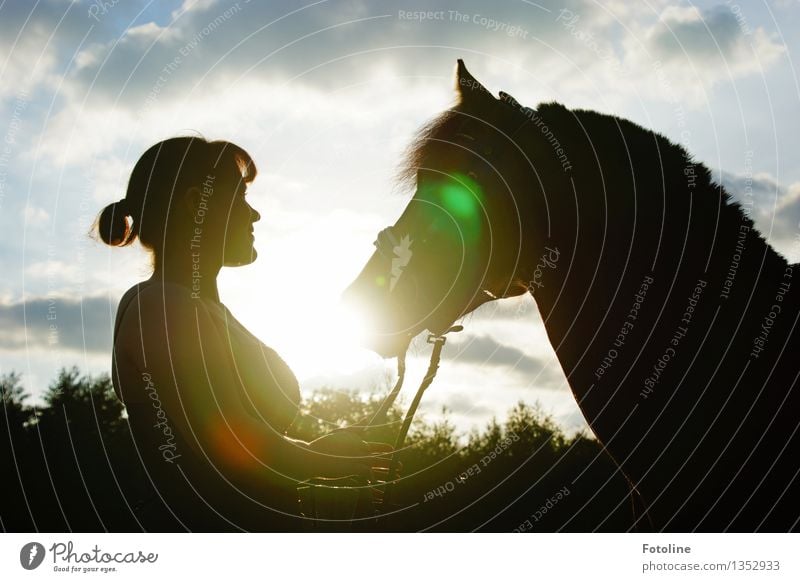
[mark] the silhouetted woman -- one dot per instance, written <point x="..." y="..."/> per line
<point x="208" y="403"/>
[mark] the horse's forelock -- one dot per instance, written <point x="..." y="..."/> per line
<point x="424" y="149"/>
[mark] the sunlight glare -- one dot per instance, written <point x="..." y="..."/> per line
<point x="333" y="345"/>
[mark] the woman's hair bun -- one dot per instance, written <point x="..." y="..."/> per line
<point x="113" y="224"/>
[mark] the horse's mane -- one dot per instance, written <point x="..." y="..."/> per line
<point x="709" y="197"/>
<point x="423" y="150"/>
<point x="571" y="128"/>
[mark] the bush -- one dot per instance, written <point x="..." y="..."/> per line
<point x="69" y="462"/>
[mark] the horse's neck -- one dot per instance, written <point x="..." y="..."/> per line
<point x="674" y="322"/>
<point x="613" y="302"/>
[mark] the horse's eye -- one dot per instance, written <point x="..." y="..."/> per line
<point x="452" y="208"/>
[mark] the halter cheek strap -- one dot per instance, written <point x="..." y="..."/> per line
<point x="386" y="241"/>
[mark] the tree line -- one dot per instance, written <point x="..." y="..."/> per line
<point x="66" y="462"/>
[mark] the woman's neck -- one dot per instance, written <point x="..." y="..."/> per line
<point x="194" y="271"/>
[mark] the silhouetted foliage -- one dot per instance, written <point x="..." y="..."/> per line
<point x="15" y="413"/>
<point x="71" y="465"/>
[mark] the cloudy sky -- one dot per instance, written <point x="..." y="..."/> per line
<point x="325" y="95"/>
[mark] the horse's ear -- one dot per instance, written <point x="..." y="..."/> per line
<point x="469" y="88"/>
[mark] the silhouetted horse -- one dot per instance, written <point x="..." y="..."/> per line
<point x="671" y="316"/>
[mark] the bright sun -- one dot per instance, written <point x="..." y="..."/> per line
<point x="328" y="343"/>
<point x="315" y="338"/>
<point x="306" y="323"/>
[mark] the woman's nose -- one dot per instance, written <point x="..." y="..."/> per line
<point x="254" y="214"/>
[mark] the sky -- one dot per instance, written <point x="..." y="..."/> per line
<point x="325" y="96"/>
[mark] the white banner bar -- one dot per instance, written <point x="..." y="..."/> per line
<point x="399" y="557"/>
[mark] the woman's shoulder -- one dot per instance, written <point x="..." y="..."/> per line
<point x="152" y="301"/>
<point x="156" y="293"/>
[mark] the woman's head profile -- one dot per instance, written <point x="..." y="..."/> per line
<point x="185" y="196"/>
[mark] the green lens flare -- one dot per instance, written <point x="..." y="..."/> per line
<point x="461" y="198"/>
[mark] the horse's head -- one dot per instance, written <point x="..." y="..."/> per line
<point x="458" y="243"/>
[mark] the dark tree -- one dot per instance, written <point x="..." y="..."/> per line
<point x="71" y="465"/>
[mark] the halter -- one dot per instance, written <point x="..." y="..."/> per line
<point x="387" y="239"/>
<point x="385" y="243"/>
<point x="309" y="491"/>
<point x="438" y="342"/>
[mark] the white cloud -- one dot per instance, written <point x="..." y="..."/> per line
<point x="197" y="5"/>
<point x="486" y="351"/>
<point x="28" y="60"/>
<point x="52" y="270"/>
<point x="147" y="32"/>
<point x="775" y="208"/>
<point x="35" y="217"/>
<point x="687" y="51"/>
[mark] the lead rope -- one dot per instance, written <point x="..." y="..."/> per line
<point x="380" y="416"/>
<point x="438" y="342"/>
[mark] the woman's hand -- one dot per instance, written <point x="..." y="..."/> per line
<point x="343" y="452"/>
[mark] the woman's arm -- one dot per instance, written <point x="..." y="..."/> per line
<point x="180" y="346"/>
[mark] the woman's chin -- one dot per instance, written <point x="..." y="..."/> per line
<point x="241" y="259"/>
